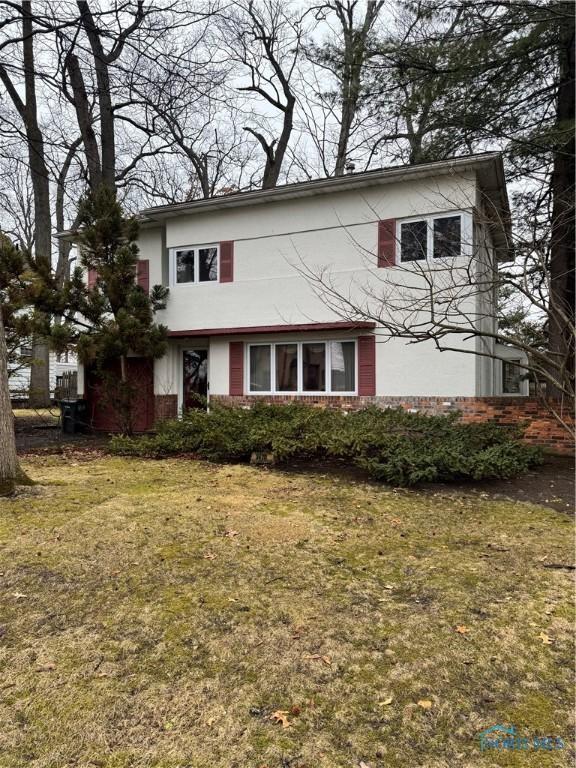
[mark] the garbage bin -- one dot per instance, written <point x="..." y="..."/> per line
<point x="73" y="416"/>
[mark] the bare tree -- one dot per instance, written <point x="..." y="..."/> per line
<point x="27" y="109"/>
<point x="190" y="113"/>
<point x="346" y="58"/>
<point x="451" y="300"/>
<point x="266" y="41"/>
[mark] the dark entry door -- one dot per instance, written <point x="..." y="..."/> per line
<point x="195" y="378"/>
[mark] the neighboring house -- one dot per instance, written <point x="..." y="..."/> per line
<point x="61" y="366"/>
<point x="246" y="323"/>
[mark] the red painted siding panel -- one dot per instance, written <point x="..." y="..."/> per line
<point x="143" y="274"/>
<point x="387" y="243"/>
<point x="367" y="366"/>
<point x="92" y="277"/>
<point x="236" y="367"/>
<point x="227" y="261"/>
<point x="102" y="416"/>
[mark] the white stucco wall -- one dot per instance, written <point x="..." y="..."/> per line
<point x="332" y="233"/>
<point x="273" y="242"/>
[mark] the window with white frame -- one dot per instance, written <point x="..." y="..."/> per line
<point x="432" y="237"/>
<point x="307" y="367"/>
<point x="194" y="264"/>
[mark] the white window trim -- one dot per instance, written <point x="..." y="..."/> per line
<point x="465" y="235"/>
<point x="328" y="392"/>
<point x="195" y="248"/>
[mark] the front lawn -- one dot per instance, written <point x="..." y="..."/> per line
<point x="158" y="613"/>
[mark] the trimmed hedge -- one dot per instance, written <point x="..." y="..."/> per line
<point x="392" y="445"/>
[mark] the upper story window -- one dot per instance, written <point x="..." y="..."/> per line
<point x="431" y="237"/>
<point x="194" y="264"/>
<point x="302" y="367"/>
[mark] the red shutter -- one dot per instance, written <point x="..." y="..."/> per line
<point x="367" y="366"/>
<point x="236" y="367"/>
<point x="143" y="274"/>
<point x="227" y="261"/>
<point x="387" y="243"/>
<point x="92" y="277"/>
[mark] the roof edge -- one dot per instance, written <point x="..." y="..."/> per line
<point x="319" y="186"/>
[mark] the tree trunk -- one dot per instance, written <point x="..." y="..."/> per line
<point x="275" y="159"/>
<point x="10" y="473"/>
<point x="84" y="118"/>
<point x="355" y="55"/>
<point x="39" y="391"/>
<point x="39" y="373"/>
<point x="561" y="311"/>
<point x="107" y="139"/>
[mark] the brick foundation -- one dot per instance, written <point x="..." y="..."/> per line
<point x="165" y="407"/>
<point x="542" y="429"/>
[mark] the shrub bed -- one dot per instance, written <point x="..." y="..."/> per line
<point x="392" y="445"/>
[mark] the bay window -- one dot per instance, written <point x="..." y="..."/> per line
<point x="302" y="367"/>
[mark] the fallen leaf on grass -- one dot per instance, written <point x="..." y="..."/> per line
<point x="387" y="701"/>
<point x="317" y="657"/>
<point x="209" y="556"/>
<point x="462" y="629"/>
<point x="46" y="667"/>
<point x="395" y="521"/>
<point x="19" y="595"/>
<point x="281" y="716"/>
<point x="231" y="534"/>
<point x="546" y="639"/>
<point x="425" y="704"/>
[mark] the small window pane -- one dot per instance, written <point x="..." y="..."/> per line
<point x="286" y="367"/>
<point x="314" y="367"/>
<point x="184" y="266"/>
<point x="208" y="258"/>
<point x="343" y="366"/>
<point x="413" y="241"/>
<point x="260" y="369"/>
<point x="511" y="377"/>
<point x="447" y="237"/>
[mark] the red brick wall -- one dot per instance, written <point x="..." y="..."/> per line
<point x="165" y="407"/>
<point x="542" y="429"/>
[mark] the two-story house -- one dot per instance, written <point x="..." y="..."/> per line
<point x="248" y="314"/>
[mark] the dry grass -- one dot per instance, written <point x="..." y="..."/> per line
<point x="155" y="614"/>
<point x="26" y="416"/>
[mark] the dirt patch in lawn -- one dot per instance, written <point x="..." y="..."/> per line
<point x="163" y="614"/>
<point x="549" y="485"/>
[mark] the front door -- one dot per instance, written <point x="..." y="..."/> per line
<point x="195" y="367"/>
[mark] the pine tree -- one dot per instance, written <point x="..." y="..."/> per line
<point x="119" y="314"/>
